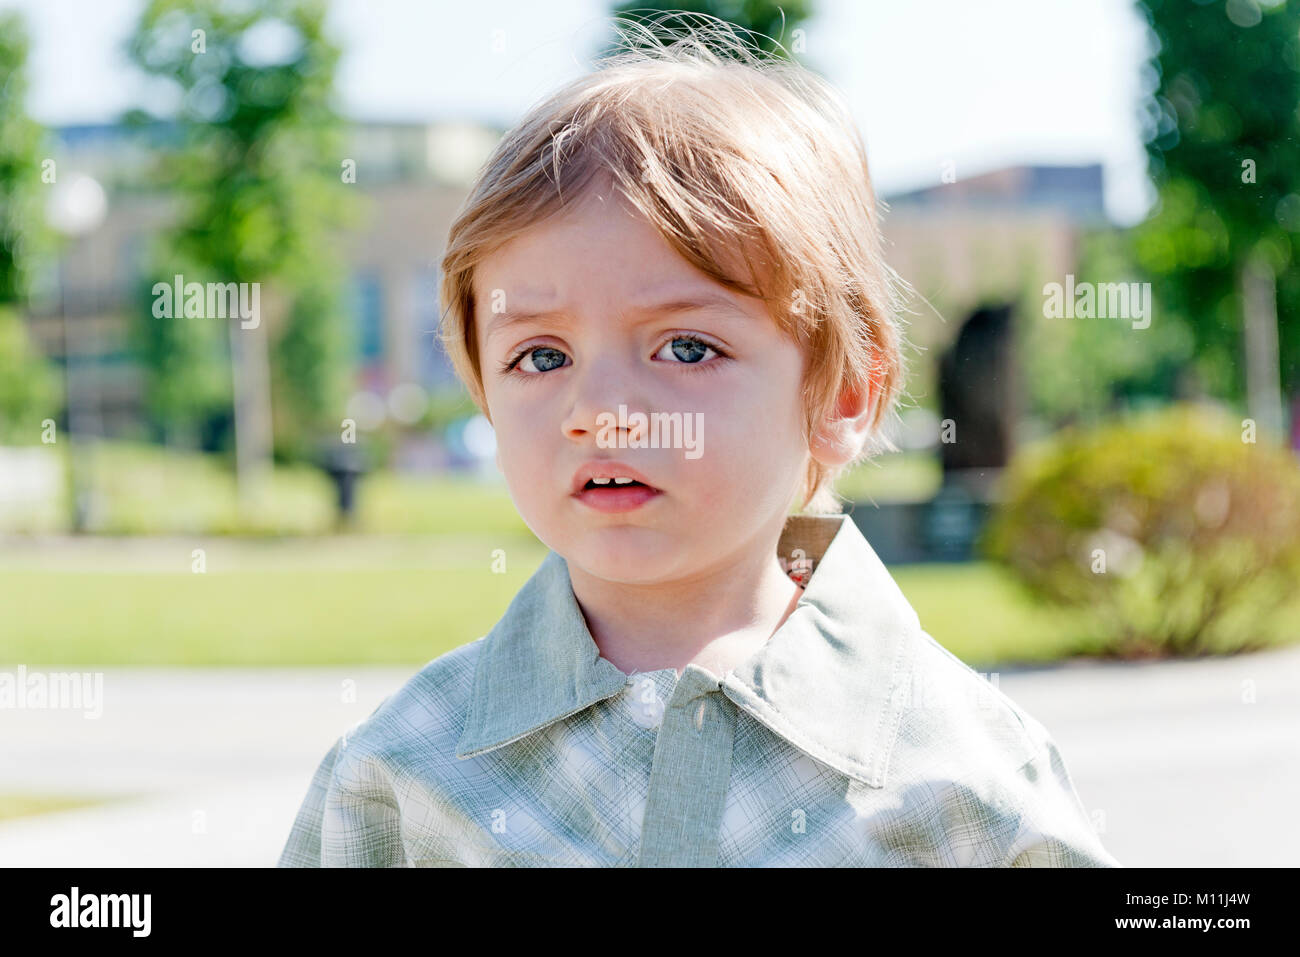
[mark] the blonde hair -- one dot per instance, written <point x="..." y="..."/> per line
<point x="722" y="148"/>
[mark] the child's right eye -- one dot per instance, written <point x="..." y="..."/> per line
<point x="543" y="356"/>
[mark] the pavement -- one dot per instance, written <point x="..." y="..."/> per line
<point x="1188" y="763"/>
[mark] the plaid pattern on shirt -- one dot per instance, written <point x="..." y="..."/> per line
<point x="851" y="738"/>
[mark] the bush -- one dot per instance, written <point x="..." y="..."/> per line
<point x="1175" y="535"/>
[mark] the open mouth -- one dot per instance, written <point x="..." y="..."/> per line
<point x="611" y="496"/>
<point x="593" y="484"/>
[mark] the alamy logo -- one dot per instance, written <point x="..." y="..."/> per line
<point x="1107" y="300"/>
<point x="102" y="910"/>
<point x="58" y="690"/>
<point x="659" y="430"/>
<point x="214" y="300"/>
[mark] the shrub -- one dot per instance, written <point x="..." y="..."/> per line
<point x="1176" y="535"/>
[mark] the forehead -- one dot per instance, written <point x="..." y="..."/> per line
<point x="599" y="253"/>
<point x="597" y="237"/>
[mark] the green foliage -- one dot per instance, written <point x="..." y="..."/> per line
<point x="29" y="388"/>
<point x="1170" y="531"/>
<point x="258" y="173"/>
<point x="22" y="234"/>
<point x="30" y="391"/>
<point x="766" y="24"/>
<point x="187" y="360"/>
<point x="1223" y="145"/>
<point x="1083" y="370"/>
<point x="309" y="370"/>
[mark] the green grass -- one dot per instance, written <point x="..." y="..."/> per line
<point x="895" y="477"/>
<point x="982" y="615"/>
<point x="314" y="608"/>
<point x="377" y="601"/>
<point x="414" y="582"/>
<point x="26" y="805"/>
<point x="447" y="505"/>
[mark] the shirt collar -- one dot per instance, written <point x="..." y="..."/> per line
<point x="829" y="680"/>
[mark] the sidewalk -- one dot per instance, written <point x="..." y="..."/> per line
<point x="1176" y="766"/>
<point x="221" y="759"/>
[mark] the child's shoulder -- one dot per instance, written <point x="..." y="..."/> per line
<point x="429" y="708"/>
<point x="956" y="719"/>
<point x="984" y="773"/>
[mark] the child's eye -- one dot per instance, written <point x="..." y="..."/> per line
<point x="546" y="360"/>
<point x="689" y="349"/>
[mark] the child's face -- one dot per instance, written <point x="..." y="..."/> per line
<point x="729" y="484"/>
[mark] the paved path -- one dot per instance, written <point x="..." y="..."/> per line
<point x="1177" y="764"/>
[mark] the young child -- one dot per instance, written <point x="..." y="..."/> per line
<point x="693" y="676"/>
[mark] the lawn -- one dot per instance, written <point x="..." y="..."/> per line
<point x="25" y="805"/>
<point x="329" y="601"/>
<point x="414" y="580"/>
<point x="359" y="599"/>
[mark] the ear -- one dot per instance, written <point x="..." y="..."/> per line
<point x="840" y="436"/>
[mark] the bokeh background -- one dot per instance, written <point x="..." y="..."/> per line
<point x="247" y="537"/>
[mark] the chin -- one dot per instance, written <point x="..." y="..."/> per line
<point x="620" y="554"/>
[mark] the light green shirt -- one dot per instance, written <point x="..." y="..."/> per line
<point x="850" y="738"/>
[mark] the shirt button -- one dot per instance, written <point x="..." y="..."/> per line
<point x="646" y="706"/>
<point x="699" y="716"/>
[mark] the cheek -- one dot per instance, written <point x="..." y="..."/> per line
<point x="520" y="438"/>
<point x="746" y="447"/>
<point x="765" y="412"/>
<point x="517" y="439"/>
<point x="768" y="443"/>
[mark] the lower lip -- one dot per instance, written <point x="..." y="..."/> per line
<point x="616" y="499"/>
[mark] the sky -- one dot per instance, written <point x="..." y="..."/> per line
<point x="978" y="84"/>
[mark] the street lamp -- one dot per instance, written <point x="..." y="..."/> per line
<point x="76" y="206"/>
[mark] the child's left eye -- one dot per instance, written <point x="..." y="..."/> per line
<point x="688" y="349"/>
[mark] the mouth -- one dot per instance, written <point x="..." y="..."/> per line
<point x="614" y="484"/>
<point x="614" y="496"/>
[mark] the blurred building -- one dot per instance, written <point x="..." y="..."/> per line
<point x="975" y="250"/>
<point x="412" y="176"/>
<point x="962" y="245"/>
<point x="979" y="241"/>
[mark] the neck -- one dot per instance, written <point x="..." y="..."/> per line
<point x="715" y="619"/>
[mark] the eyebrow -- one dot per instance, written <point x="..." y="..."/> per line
<point x="715" y="302"/>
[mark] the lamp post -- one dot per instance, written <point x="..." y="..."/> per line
<point x="76" y="208"/>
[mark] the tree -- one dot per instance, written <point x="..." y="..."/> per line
<point x="28" y="387"/>
<point x="1223" y="145"/>
<point x="21" y="232"/>
<point x="258" y="171"/>
<point x="770" y="20"/>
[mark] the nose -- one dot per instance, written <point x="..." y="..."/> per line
<point x="598" y="389"/>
